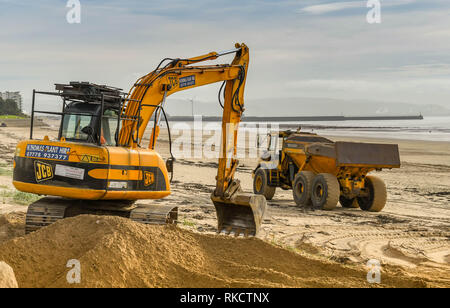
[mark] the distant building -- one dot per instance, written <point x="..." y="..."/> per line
<point x="15" y="96"/>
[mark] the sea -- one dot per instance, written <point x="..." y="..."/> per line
<point x="428" y="129"/>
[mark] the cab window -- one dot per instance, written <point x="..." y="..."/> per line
<point x="109" y="127"/>
<point x="73" y="126"/>
<point x="273" y="143"/>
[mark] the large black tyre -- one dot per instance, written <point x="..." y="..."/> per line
<point x="301" y="189"/>
<point x="261" y="184"/>
<point x="377" y="198"/>
<point x="348" y="203"/>
<point x="325" y="192"/>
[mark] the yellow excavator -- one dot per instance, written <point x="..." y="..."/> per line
<point x="99" y="165"/>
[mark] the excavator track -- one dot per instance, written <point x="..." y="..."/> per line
<point x="155" y="214"/>
<point x="41" y="214"/>
<point x="49" y="210"/>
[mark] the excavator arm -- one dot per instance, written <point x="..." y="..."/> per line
<point x="237" y="212"/>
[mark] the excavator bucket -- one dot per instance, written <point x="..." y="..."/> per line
<point x="242" y="214"/>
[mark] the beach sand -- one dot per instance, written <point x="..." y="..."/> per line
<point x="411" y="235"/>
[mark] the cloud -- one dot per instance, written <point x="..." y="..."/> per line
<point x="341" y="6"/>
<point x="331" y="7"/>
<point x="409" y="90"/>
<point x="426" y="70"/>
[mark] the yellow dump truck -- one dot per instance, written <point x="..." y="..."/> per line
<point x="322" y="173"/>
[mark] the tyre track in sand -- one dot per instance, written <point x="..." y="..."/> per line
<point x="348" y="235"/>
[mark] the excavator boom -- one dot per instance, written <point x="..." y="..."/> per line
<point x="237" y="212"/>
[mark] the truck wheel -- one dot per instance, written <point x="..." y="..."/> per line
<point x="377" y="198"/>
<point x="325" y="192"/>
<point x="302" y="188"/>
<point x="261" y="185"/>
<point x="348" y="203"/>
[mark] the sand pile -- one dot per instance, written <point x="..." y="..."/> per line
<point x="7" y="278"/>
<point x="115" y="252"/>
<point x="11" y="226"/>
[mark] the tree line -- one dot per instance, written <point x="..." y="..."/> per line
<point x="9" y="107"/>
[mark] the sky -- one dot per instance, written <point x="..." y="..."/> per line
<point x="299" y="48"/>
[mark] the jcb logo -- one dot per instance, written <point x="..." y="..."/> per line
<point x="42" y="171"/>
<point x="149" y="178"/>
<point x="173" y="82"/>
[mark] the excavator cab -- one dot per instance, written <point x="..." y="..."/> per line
<point x="89" y="120"/>
<point x="80" y="124"/>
